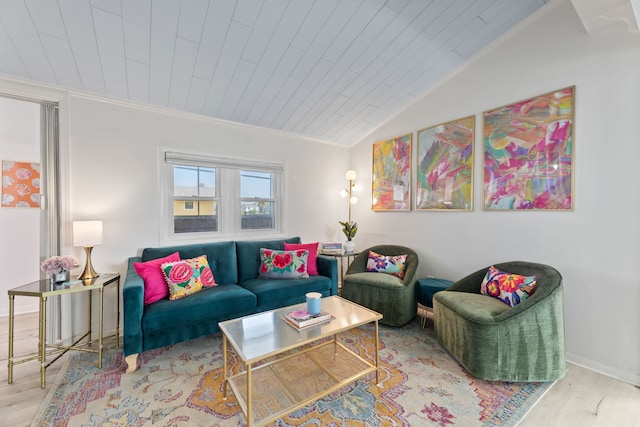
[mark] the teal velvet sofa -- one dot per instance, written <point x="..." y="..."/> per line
<point x="496" y="342"/>
<point x="239" y="292"/>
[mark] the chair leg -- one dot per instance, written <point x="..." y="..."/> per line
<point x="422" y="312"/>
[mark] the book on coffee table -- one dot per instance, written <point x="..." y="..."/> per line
<point x="301" y="319"/>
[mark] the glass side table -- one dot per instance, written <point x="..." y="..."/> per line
<point x="43" y="289"/>
<point x="340" y="257"/>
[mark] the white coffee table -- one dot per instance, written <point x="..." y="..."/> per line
<point x="274" y="384"/>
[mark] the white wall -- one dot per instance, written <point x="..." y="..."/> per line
<point x="595" y="247"/>
<point x="113" y="174"/>
<point x="19" y="227"/>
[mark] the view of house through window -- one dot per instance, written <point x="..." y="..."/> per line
<point x="256" y="200"/>
<point x="195" y="206"/>
<point x="223" y="196"/>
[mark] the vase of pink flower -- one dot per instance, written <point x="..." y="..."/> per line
<point x="59" y="267"/>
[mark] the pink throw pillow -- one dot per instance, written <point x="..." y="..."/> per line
<point x="155" y="287"/>
<point x="312" y="266"/>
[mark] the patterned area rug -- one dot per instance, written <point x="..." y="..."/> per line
<point x="181" y="385"/>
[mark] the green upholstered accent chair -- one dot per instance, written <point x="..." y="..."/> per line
<point x="494" y="341"/>
<point x="389" y="295"/>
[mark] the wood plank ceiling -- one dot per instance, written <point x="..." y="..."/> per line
<point x="329" y="70"/>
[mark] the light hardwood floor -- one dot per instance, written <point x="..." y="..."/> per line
<point x="582" y="398"/>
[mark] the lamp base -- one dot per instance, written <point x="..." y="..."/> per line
<point x="88" y="273"/>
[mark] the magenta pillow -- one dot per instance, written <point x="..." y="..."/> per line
<point x="312" y="266"/>
<point x="155" y="287"/>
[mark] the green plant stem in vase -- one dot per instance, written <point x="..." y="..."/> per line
<point x="349" y="228"/>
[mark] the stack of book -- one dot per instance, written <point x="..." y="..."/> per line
<point x="332" y="248"/>
<point x="301" y="319"/>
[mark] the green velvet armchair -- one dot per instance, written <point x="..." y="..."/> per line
<point x="394" y="298"/>
<point x="494" y="341"/>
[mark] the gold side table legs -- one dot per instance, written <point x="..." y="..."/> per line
<point x="100" y="324"/>
<point x="118" y="317"/>
<point x="42" y="337"/>
<point x="10" y="358"/>
<point x="42" y="345"/>
<point x="42" y="289"/>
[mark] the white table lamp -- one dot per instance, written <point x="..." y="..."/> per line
<point x="87" y="234"/>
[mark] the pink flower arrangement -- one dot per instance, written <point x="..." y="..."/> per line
<point x="56" y="264"/>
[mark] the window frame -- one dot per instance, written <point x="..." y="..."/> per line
<point x="228" y="196"/>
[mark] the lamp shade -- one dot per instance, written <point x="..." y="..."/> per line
<point x="87" y="233"/>
<point x="350" y="175"/>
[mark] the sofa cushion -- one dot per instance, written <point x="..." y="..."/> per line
<point x="248" y="255"/>
<point x="155" y="286"/>
<point x="509" y="288"/>
<point x="376" y="280"/>
<point x="275" y="293"/>
<point x="226" y="301"/>
<point x="475" y="308"/>
<point x="225" y="268"/>
<point x="312" y="264"/>
<point x="283" y="264"/>
<point x="187" y="276"/>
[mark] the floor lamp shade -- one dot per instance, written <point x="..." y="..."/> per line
<point x="87" y="234"/>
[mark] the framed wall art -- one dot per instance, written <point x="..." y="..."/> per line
<point x="445" y="166"/>
<point x="20" y="184"/>
<point x="391" y="178"/>
<point x="528" y="153"/>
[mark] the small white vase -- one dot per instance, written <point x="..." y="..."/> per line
<point x="349" y="246"/>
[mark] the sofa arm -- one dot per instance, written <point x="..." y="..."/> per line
<point x="328" y="266"/>
<point x="133" y="303"/>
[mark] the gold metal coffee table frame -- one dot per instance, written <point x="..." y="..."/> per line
<point x="43" y="289"/>
<point x="316" y="363"/>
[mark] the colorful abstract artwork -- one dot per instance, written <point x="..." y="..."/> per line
<point x="445" y="166"/>
<point x="20" y="184"/>
<point x="392" y="174"/>
<point x="528" y="153"/>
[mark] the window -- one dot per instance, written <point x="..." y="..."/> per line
<point x="221" y="197"/>
<point x="195" y="204"/>
<point x="256" y="200"/>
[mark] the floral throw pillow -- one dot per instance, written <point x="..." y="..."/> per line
<point x="509" y="288"/>
<point x="187" y="276"/>
<point x="394" y="265"/>
<point x="276" y="264"/>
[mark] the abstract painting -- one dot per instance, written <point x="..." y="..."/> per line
<point x="445" y="166"/>
<point x="391" y="183"/>
<point x="20" y="184"/>
<point x="528" y="153"/>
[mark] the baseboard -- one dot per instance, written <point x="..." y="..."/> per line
<point x="22" y="309"/>
<point x="608" y="371"/>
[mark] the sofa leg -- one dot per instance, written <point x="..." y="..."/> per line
<point x="132" y="362"/>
